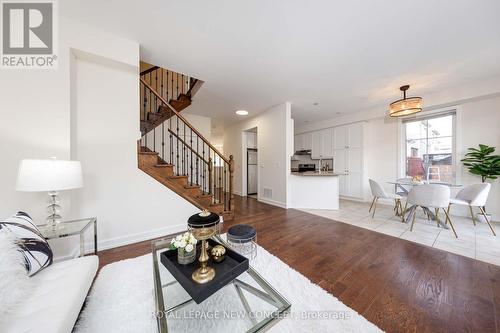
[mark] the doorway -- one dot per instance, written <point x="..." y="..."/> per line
<point x="252" y="163"/>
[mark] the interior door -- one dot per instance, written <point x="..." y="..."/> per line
<point x="252" y="170"/>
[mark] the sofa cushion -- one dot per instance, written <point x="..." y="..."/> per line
<point x="36" y="250"/>
<point x="57" y="298"/>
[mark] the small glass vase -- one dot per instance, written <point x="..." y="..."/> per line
<point x="184" y="257"/>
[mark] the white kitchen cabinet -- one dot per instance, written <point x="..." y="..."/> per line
<point x="316" y="145"/>
<point x="340" y="137"/>
<point x="299" y="142"/>
<point x="303" y="141"/>
<point x="348" y="159"/>
<point x="307" y="141"/>
<point x="322" y="144"/>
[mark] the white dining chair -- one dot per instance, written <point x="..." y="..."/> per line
<point x="378" y="192"/>
<point x="430" y="196"/>
<point x="474" y="195"/>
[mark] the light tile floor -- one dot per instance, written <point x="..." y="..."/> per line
<point x="473" y="241"/>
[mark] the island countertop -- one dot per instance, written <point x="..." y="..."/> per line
<point x="315" y="173"/>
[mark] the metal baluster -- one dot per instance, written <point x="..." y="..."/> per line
<point x="187" y="84"/>
<point x="224" y="185"/>
<point x="177" y="144"/>
<point x="163" y="141"/>
<point x="220" y="181"/>
<point x="182" y="84"/>
<point x="197" y="160"/>
<point x="177" y="86"/>
<point x="172" y="77"/>
<point x="184" y="151"/>
<point x="167" y="89"/>
<point x="191" y="150"/>
<point x="162" y="93"/>
<point x="170" y="133"/>
<point x="204" y="176"/>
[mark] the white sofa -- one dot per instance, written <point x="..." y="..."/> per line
<point x="57" y="299"/>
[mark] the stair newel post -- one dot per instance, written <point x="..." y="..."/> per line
<point x="191" y="150"/>
<point x="210" y="175"/>
<point x="231" y="179"/>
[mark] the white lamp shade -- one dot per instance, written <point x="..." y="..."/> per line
<point x="49" y="175"/>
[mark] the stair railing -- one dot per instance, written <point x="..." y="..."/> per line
<point x="178" y="143"/>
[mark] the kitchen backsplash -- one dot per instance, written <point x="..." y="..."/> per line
<point x="306" y="159"/>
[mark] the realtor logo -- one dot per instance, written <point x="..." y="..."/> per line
<point x="28" y="32"/>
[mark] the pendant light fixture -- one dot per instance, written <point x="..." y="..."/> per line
<point x="405" y="106"/>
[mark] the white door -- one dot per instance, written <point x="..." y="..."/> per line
<point x="316" y="150"/>
<point x="355" y="135"/>
<point x="327" y="143"/>
<point x="339" y="137"/>
<point x="307" y="141"/>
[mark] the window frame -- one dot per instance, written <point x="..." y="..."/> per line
<point x="402" y="149"/>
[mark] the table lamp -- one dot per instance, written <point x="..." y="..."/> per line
<point x="50" y="176"/>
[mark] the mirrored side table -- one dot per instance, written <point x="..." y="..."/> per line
<point x="71" y="228"/>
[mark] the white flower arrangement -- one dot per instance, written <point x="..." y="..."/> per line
<point x="185" y="241"/>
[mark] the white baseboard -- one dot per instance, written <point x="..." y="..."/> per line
<point x="124" y="240"/>
<point x="238" y="193"/>
<point x="272" y="202"/>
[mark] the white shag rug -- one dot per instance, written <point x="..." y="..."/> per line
<point x="122" y="300"/>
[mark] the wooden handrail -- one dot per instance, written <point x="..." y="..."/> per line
<point x="189" y="147"/>
<point x="184" y="120"/>
<point x="149" y="70"/>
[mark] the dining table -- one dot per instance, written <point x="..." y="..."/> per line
<point x="403" y="187"/>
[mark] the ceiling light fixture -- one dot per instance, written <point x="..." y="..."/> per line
<point x="241" y="112"/>
<point x="405" y="106"/>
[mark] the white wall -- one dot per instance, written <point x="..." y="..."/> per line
<point x="478" y="121"/>
<point x="36" y="122"/>
<point x="273" y="127"/>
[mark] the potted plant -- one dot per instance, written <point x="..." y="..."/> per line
<point x="185" y="245"/>
<point x="484" y="163"/>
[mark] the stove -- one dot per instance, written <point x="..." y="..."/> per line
<point x="307" y="167"/>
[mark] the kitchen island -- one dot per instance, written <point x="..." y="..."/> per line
<point x="314" y="190"/>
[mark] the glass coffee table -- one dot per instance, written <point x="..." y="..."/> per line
<point x="246" y="304"/>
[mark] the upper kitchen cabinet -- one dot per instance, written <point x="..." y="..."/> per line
<point x="322" y="144"/>
<point x="303" y="141"/>
<point x="348" y="136"/>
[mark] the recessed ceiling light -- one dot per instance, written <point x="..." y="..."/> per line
<point x="338" y="112"/>
<point x="315" y="103"/>
<point x="241" y="112"/>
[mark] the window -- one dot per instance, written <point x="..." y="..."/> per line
<point x="430" y="148"/>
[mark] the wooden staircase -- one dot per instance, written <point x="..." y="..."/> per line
<point x="173" y="152"/>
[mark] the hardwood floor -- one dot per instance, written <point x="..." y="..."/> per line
<point x="398" y="285"/>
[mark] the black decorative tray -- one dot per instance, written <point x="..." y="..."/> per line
<point x="230" y="268"/>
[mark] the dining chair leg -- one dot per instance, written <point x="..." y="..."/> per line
<point x="451" y="224"/>
<point x="472" y="215"/>
<point x="404" y="210"/>
<point x="373" y="201"/>
<point x="413" y="220"/>
<point x="402" y="215"/>
<point x="487" y="221"/>
<point x="374" y="207"/>
<point x="447" y="211"/>
<point x="436" y="213"/>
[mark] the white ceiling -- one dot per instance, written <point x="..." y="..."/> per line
<point x="345" y="55"/>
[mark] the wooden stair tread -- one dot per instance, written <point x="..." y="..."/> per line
<point x="164" y="165"/>
<point x="191" y="186"/>
<point x="178" y="177"/>
<point x="202" y="196"/>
